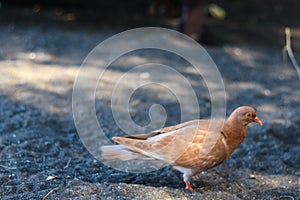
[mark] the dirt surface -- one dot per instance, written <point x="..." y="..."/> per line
<point x="41" y="155"/>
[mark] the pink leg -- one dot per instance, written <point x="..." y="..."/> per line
<point x="188" y="186"/>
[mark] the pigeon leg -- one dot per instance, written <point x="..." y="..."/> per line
<point x="188" y="186"/>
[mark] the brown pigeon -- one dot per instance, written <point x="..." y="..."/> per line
<point x="190" y="147"/>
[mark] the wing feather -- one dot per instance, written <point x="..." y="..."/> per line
<point x="160" y="131"/>
<point x="172" y="144"/>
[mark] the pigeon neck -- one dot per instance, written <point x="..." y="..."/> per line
<point x="235" y="133"/>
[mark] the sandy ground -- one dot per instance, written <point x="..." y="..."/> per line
<point x="38" y="67"/>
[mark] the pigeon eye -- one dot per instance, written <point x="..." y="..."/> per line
<point x="248" y="114"/>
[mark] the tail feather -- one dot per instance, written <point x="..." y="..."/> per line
<point x="119" y="152"/>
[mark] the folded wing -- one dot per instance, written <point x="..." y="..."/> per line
<point x="170" y="143"/>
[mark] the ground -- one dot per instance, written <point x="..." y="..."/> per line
<point x="42" y="156"/>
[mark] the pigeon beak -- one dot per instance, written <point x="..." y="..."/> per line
<point x="257" y="120"/>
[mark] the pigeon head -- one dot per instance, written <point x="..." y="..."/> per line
<point x="245" y="115"/>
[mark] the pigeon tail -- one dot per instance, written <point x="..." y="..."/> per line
<point x="119" y="152"/>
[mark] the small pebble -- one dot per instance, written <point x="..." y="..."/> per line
<point x="51" y="178"/>
<point x="252" y="176"/>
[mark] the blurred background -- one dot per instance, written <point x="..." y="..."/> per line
<point x="42" y="46"/>
<point x="212" y="22"/>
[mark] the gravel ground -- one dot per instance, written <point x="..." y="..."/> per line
<point x="43" y="157"/>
